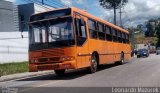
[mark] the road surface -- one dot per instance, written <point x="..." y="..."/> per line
<point x="141" y="72"/>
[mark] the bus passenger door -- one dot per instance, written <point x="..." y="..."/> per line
<point x="81" y="41"/>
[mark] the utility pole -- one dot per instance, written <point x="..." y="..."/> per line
<point x="42" y="2"/>
<point x="115" y="16"/>
<point x="115" y="21"/>
<point x="120" y="13"/>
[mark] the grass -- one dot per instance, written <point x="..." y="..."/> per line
<point x="13" y="68"/>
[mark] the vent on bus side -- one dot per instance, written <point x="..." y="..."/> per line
<point x="53" y="52"/>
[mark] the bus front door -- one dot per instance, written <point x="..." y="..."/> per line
<point x="81" y="42"/>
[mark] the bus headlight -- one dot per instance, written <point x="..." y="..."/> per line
<point x="34" y="61"/>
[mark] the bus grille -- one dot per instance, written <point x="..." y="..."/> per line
<point x="51" y="59"/>
<point x="53" y="52"/>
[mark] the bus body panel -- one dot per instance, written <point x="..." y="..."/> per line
<point x="109" y="52"/>
<point x="52" y="57"/>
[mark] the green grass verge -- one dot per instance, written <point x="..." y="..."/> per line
<point x="13" y="68"/>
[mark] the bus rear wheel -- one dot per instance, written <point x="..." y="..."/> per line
<point x="60" y="72"/>
<point x="93" y="64"/>
<point x="121" y="60"/>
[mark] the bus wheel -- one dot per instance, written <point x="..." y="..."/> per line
<point x="121" y="60"/>
<point x="94" y="64"/>
<point x="59" y="72"/>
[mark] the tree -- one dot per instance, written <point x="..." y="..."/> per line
<point x="147" y="34"/>
<point x="151" y="28"/>
<point x="140" y="28"/>
<point x="113" y="4"/>
<point x="158" y="35"/>
<point x="158" y="30"/>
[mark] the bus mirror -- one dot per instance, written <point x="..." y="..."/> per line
<point x="82" y="22"/>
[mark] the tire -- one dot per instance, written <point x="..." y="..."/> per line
<point x="121" y="60"/>
<point x="93" y="64"/>
<point x="60" y="72"/>
<point x="138" y="56"/>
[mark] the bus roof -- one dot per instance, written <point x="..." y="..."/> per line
<point x="86" y="14"/>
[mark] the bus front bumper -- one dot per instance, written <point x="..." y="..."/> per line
<point x="51" y="66"/>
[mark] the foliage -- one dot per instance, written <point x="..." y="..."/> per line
<point x="140" y="28"/>
<point x="158" y="43"/>
<point x="113" y="4"/>
<point x="150" y="29"/>
<point x="152" y="26"/>
<point x="158" y="35"/>
<point x="152" y="32"/>
<point x="140" y="39"/>
<point x="12" y="68"/>
<point x="147" y="34"/>
<point x="158" y="31"/>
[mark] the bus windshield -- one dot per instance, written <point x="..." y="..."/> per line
<point x="56" y="32"/>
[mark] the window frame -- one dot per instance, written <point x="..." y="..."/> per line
<point x="101" y="34"/>
<point x="114" y="35"/>
<point x="111" y="33"/>
<point x="109" y="36"/>
<point x="79" y="32"/>
<point x="91" y="30"/>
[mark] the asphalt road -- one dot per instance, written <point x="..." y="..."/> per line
<point x="141" y="72"/>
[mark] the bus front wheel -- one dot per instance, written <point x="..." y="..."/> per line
<point x="93" y="64"/>
<point x="60" y="72"/>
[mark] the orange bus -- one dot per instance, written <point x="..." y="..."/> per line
<point x="71" y="38"/>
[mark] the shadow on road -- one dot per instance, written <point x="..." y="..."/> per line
<point x="70" y="74"/>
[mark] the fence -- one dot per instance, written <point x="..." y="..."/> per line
<point x="14" y="48"/>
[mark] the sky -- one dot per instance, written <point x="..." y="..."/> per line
<point x="134" y="12"/>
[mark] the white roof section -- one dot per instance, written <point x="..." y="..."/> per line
<point x="40" y="8"/>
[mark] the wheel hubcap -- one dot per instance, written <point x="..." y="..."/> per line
<point x="94" y="64"/>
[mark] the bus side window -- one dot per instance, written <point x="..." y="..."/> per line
<point x="127" y="38"/>
<point x="80" y="31"/>
<point x="108" y="33"/>
<point x="101" y="32"/>
<point x="123" y="37"/>
<point x="114" y="33"/>
<point x="116" y="37"/>
<point x="81" y="28"/>
<point x="92" y="29"/>
<point x="119" y="36"/>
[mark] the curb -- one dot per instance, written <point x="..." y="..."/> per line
<point x="24" y="75"/>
